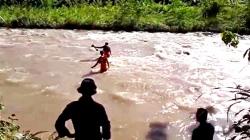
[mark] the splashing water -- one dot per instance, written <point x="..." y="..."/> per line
<point x="154" y="78"/>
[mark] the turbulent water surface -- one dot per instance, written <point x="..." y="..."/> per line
<point x="155" y="83"/>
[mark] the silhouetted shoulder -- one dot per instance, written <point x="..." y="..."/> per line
<point x="74" y="103"/>
<point x="207" y="126"/>
<point x="210" y="126"/>
<point x="99" y="106"/>
<point x="70" y="107"/>
<point x="84" y="101"/>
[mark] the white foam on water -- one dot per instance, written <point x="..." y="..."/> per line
<point x="16" y="78"/>
<point x="192" y="65"/>
<point x="28" y="55"/>
<point x="49" y="88"/>
<point x="131" y="97"/>
<point x="17" y="75"/>
<point x="214" y="65"/>
<point x="5" y="70"/>
<point x="180" y="74"/>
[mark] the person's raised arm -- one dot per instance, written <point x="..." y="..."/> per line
<point x="96" y="47"/>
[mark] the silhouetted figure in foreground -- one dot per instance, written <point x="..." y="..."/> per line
<point x="106" y="49"/>
<point x="89" y="118"/>
<point x="204" y="131"/>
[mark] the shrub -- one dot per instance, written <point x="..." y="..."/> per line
<point x="11" y="131"/>
<point x="230" y="39"/>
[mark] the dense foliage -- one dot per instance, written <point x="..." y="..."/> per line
<point x="248" y="15"/>
<point x="230" y="39"/>
<point x="144" y="15"/>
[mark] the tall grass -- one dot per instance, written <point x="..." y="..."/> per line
<point x="144" y="15"/>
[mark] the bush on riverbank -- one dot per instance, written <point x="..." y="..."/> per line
<point x="143" y="15"/>
<point x="9" y="130"/>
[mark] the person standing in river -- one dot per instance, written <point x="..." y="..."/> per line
<point x="204" y="131"/>
<point x="106" y="49"/>
<point x="87" y="116"/>
<point x="103" y="61"/>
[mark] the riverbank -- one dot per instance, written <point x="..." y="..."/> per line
<point x="152" y="17"/>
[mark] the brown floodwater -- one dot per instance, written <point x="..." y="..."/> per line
<point x="154" y="78"/>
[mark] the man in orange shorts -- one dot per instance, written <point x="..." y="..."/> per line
<point x="103" y="60"/>
<point x="106" y="49"/>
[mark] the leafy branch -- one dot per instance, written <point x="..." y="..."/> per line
<point x="9" y="130"/>
<point x="231" y="39"/>
<point x="241" y="126"/>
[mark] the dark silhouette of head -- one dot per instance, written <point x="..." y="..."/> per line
<point x="106" y="43"/>
<point x="158" y="131"/>
<point x="101" y="52"/>
<point x="88" y="87"/>
<point x="201" y="115"/>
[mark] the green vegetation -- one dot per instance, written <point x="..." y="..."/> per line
<point x="9" y="130"/>
<point x="248" y="15"/>
<point x="241" y="125"/>
<point x="230" y="39"/>
<point x="143" y="15"/>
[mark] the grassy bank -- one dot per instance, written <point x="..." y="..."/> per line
<point x="140" y="16"/>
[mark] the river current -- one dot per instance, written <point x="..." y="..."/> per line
<point x="155" y="83"/>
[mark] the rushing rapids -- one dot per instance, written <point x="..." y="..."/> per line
<point x="155" y="80"/>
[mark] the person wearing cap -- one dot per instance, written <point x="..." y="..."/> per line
<point x="204" y="131"/>
<point x="106" y="49"/>
<point x="89" y="118"/>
